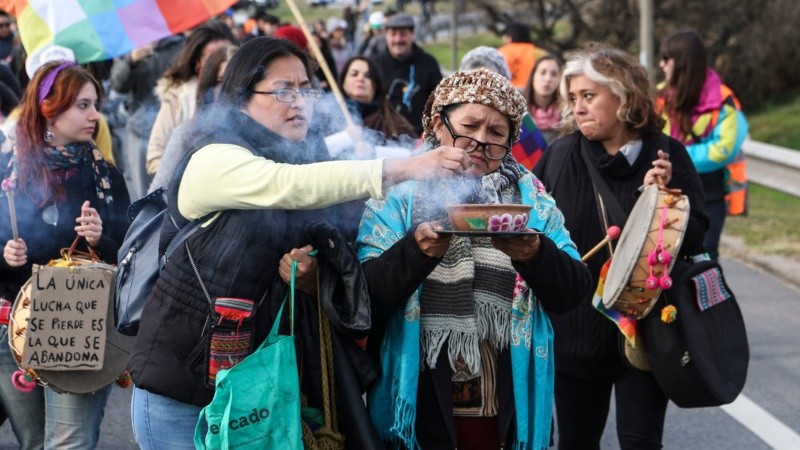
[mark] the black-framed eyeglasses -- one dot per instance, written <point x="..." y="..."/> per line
<point x="5" y="25"/>
<point x="290" y="95"/>
<point x="492" y="151"/>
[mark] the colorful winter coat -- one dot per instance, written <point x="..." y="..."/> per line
<point x="718" y="126"/>
<point x="718" y="131"/>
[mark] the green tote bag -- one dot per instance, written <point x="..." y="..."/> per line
<point x="256" y="404"/>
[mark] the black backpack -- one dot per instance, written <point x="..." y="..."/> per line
<point x="139" y="263"/>
<point x="701" y="358"/>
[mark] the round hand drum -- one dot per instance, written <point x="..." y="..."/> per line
<point x="625" y="288"/>
<point x="117" y="348"/>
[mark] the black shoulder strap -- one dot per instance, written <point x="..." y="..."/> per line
<point x="615" y="211"/>
<point x="178" y="239"/>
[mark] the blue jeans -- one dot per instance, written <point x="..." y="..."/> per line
<point x="25" y="410"/>
<point x="162" y="423"/>
<point x="46" y="419"/>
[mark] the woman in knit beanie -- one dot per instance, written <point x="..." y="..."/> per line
<point x="531" y="144"/>
<point x="459" y="321"/>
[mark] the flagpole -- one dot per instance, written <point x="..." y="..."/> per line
<point x="312" y="44"/>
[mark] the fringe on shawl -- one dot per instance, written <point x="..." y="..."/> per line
<point x="493" y="322"/>
<point x="526" y="446"/>
<point x="402" y="434"/>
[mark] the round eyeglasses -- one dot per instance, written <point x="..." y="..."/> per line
<point x="492" y="151"/>
<point x="290" y="95"/>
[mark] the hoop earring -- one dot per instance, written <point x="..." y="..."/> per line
<point x="49" y="137"/>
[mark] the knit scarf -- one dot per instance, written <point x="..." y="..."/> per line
<point x="464" y="302"/>
<point x="75" y="155"/>
<point x="545" y="118"/>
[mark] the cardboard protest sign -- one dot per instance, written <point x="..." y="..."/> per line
<point x="68" y="318"/>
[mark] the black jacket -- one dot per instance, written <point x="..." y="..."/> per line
<point x="237" y="255"/>
<point x="586" y="343"/>
<point x="44" y="240"/>
<point x="714" y="185"/>
<point x="408" y="94"/>
<point x="559" y="282"/>
<point x="139" y="80"/>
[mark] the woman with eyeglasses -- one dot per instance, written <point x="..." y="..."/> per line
<point x="64" y="188"/>
<point x="531" y="143"/>
<point x="252" y="176"/>
<point x="460" y="323"/>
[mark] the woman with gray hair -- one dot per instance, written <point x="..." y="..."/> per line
<point x="487" y="58"/>
<point x="609" y="109"/>
<point x="459" y="322"/>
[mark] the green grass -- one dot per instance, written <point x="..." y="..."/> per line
<point x="770" y="228"/>
<point x="309" y="14"/>
<point x="441" y="48"/>
<point x="778" y="124"/>
<point x="771" y="224"/>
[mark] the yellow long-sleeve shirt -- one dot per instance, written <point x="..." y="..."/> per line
<point x="226" y="176"/>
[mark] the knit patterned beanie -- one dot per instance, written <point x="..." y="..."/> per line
<point x="476" y="86"/>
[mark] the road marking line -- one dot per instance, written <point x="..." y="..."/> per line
<point x="762" y="424"/>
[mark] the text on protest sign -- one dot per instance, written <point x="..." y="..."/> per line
<point x="67" y="324"/>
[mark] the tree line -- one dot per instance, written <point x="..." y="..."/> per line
<point x="753" y="44"/>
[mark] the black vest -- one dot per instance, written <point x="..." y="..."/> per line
<point x="237" y="255"/>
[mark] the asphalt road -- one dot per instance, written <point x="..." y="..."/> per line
<point x="772" y="390"/>
<point x="765" y="416"/>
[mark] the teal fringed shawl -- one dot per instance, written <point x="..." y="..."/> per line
<point x="392" y="401"/>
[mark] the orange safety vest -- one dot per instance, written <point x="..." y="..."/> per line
<point x="736" y="180"/>
<point x="735" y="172"/>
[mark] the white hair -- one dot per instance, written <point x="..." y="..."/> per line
<point x="583" y="65"/>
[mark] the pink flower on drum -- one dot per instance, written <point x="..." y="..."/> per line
<point x="500" y="223"/>
<point x="520" y="222"/>
<point x="9" y="185"/>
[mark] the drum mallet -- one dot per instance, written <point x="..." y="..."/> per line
<point x="8" y="187"/>
<point x="612" y="234"/>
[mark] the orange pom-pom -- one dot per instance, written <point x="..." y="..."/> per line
<point x="668" y="314"/>
<point x="124" y="380"/>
